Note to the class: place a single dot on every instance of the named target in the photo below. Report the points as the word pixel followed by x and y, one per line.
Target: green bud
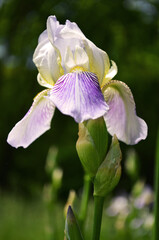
pixel 109 172
pixel 92 144
pixel 72 230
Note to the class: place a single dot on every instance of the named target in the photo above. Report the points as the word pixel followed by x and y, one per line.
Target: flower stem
pixel 85 198
pixel 98 210
pixel 156 201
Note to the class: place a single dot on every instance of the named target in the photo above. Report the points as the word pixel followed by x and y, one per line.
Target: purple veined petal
pixel 121 118
pixel 78 94
pixel 35 122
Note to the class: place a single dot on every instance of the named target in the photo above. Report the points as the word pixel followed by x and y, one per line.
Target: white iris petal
pixel 75 69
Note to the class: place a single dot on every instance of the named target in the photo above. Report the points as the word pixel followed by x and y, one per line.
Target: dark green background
pixel 126 30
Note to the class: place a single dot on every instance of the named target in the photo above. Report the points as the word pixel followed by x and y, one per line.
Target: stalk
pixel 98 210
pixel 85 198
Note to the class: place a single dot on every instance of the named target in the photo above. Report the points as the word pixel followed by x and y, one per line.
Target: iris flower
pixel 78 79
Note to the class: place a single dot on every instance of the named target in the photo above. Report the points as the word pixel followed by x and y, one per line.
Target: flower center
pixel 77 69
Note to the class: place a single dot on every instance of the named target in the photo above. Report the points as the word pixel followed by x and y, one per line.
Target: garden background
pixel 128 31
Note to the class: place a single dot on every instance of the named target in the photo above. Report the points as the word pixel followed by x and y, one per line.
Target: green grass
pixel 28 220
pixel 22 220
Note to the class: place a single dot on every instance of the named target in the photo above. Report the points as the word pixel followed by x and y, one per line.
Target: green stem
pixel 98 210
pixel 85 198
pixel 156 202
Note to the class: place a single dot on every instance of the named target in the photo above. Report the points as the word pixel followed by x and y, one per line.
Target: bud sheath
pixel 109 172
pixel 72 230
pixel 92 144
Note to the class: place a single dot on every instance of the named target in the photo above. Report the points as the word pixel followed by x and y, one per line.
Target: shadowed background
pixel 126 30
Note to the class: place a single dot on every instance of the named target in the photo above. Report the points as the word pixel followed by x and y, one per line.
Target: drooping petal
pixel 78 94
pixel 121 118
pixel 35 122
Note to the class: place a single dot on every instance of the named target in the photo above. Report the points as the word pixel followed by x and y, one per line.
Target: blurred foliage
pixel 35 224
pixel 127 30
pixel 124 217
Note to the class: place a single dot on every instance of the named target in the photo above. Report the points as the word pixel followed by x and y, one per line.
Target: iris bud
pixel 109 172
pixel 71 201
pixel 92 144
pixel 72 230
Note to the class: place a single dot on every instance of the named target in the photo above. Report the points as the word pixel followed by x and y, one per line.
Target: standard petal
pixel 43 36
pixel 121 117
pixel 76 60
pixel 53 28
pixel 111 73
pixel 69 61
pixel 35 122
pixel 47 60
pixel 59 31
pixel 64 37
pixel 43 82
pixel 98 60
pixel 71 29
pixel 81 57
pixel 78 94
pixel 70 36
